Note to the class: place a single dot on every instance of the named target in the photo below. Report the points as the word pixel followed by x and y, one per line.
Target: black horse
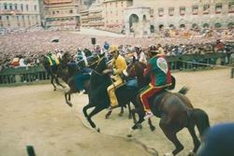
pixel 52 71
pixel 98 96
pixel 174 110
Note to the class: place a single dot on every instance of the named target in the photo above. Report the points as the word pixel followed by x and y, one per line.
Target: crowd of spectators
pixel 29 45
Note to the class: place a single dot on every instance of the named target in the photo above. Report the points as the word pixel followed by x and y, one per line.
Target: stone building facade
pixel 153 15
pixel 19 13
pixel 63 15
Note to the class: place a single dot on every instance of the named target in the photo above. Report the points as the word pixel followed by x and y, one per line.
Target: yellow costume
pixel 119 64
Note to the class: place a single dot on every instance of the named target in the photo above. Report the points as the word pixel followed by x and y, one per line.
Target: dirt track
pixel 36 115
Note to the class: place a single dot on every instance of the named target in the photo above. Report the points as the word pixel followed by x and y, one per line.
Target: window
pixel 22 7
pixel 5 6
pixel 10 7
pixel 27 7
pixel 16 7
pixel 206 9
pixel 171 11
pixel 231 7
pixel 160 12
pixel 35 7
pixel 182 11
pixel 218 8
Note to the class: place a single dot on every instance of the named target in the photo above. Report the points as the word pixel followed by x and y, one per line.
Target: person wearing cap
pixel 119 64
pixel 160 77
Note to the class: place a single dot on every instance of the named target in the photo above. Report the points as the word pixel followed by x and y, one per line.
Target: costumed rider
pixel 83 71
pixel 118 64
pixel 160 77
pixel 53 60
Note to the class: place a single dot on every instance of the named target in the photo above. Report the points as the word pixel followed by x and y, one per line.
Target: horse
pixel 71 75
pixel 98 96
pixel 174 110
pixel 51 71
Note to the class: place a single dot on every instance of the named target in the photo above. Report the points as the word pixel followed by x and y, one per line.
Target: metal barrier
pixel 23 75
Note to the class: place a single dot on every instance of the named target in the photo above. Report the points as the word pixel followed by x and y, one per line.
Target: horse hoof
pixel 69 104
pixel 98 130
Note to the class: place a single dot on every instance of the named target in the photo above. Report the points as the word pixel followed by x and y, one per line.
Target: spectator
pixel 218 141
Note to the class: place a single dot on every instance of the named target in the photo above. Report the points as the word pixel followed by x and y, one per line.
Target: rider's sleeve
pixel 147 70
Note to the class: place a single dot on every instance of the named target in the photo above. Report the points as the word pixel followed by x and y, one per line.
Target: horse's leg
pixel 52 82
pixel 121 111
pixel 152 127
pixel 196 141
pixel 68 98
pixel 170 132
pixel 108 114
pixel 129 110
pixel 137 124
pixel 57 81
pixel 93 112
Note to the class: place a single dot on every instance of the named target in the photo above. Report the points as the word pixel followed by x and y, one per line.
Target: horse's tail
pixel 183 90
pixel 201 120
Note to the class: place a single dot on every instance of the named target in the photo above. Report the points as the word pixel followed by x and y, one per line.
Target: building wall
pixel 113 12
pixel 64 15
pixel 185 13
pixel 19 13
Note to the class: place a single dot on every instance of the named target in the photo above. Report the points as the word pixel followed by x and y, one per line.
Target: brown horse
pixel 174 109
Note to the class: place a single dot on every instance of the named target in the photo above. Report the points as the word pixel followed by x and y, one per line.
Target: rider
pixel 160 77
pixel 119 64
pixel 53 60
pixel 84 70
pixel 139 54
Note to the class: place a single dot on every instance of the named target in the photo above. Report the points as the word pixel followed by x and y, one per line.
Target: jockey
pixel 53 60
pixel 84 73
pixel 119 64
pixel 158 71
pixel 139 54
pixel 81 56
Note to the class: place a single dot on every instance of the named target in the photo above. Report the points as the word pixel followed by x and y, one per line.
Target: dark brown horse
pixel 174 110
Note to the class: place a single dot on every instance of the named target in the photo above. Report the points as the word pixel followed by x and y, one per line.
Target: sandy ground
pixel 35 115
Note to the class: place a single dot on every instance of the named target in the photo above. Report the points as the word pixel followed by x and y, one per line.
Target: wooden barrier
pixel 23 75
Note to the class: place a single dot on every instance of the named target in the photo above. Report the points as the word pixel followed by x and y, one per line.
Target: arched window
pixel 206 25
pixel 5 6
pixel 218 25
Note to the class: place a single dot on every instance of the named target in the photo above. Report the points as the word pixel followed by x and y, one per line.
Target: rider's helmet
pixel 113 49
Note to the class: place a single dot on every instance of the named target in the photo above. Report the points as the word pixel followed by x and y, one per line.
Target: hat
pixel 113 48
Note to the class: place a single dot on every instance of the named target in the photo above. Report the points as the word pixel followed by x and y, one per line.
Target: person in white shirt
pixel 139 54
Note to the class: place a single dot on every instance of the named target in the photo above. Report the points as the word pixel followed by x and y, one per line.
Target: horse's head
pixel 93 61
pixel 135 68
